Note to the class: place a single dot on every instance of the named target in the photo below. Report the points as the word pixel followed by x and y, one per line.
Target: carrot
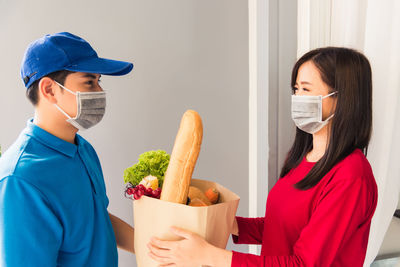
pixel 212 194
pixel 195 192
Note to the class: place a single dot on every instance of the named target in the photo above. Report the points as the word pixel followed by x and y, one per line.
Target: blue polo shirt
pixel 53 204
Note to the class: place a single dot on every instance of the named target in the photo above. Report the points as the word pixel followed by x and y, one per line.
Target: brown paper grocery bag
pixel 154 217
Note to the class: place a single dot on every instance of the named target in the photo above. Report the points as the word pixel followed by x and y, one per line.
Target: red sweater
pixel 327 225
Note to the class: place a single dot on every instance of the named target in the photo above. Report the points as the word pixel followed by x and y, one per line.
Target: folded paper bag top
pixel 154 217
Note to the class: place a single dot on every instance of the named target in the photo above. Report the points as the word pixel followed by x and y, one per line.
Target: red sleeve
pixel 344 205
pixel 250 231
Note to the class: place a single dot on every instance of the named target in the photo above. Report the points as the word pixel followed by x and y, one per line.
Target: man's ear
pixel 47 89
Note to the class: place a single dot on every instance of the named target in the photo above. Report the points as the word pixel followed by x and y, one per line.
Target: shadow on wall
pixel 392 262
pixel 389 252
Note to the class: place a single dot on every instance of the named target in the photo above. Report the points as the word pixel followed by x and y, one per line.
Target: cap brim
pixel 102 66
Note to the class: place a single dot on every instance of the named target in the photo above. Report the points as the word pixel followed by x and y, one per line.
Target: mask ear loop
pixel 58 107
pixel 62 111
pixel 330 94
pixel 63 87
pixel 330 117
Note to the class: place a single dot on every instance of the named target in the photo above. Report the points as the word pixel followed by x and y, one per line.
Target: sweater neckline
pixel 307 163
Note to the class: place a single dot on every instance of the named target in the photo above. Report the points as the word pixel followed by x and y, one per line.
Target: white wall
pixel 272 54
pixel 187 54
pixel 282 57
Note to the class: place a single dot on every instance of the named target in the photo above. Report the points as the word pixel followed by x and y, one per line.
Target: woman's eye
pixel 305 89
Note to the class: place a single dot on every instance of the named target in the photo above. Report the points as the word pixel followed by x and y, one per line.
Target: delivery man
pixel 53 203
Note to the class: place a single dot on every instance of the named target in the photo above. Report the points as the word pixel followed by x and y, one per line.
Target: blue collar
pixel 52 141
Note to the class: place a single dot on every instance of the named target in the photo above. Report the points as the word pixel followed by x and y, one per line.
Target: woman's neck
pixel 320 141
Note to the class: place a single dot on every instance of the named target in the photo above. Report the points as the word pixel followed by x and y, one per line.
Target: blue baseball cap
pixel 65 51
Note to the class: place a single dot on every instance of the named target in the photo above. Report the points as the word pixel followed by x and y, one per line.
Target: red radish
pixel 149 191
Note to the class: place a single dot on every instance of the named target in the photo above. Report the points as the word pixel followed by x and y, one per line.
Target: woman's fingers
pixel 162 260
pixel 160 252
pixel 161 243
pixel 181 232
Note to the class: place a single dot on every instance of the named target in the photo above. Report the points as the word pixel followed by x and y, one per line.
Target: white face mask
pixel 91 108
pixel 307 112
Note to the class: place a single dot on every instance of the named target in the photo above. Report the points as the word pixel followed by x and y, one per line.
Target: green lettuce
pixel 153 163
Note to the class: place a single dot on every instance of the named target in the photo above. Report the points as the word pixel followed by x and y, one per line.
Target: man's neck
pixel 60 129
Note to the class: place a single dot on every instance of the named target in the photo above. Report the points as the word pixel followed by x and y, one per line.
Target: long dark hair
pixel 349 73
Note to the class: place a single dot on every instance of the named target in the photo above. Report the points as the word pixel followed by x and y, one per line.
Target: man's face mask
pixel 91 108
pixel 307 112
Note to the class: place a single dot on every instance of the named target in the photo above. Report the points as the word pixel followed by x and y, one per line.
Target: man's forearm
pixel 124 233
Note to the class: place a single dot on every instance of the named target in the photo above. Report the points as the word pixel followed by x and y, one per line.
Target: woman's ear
pixel 47 90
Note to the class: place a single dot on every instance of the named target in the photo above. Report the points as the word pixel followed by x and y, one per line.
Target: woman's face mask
pixel 91 108
pixel 307 112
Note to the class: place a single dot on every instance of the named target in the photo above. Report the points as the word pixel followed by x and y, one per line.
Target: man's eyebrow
pixel 89 75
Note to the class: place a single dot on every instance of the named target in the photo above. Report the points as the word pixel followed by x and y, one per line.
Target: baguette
pixel 183 159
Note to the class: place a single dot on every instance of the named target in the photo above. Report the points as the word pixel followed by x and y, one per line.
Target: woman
pixel 319 212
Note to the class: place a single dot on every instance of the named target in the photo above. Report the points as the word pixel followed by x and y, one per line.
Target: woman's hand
pixel 192 250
